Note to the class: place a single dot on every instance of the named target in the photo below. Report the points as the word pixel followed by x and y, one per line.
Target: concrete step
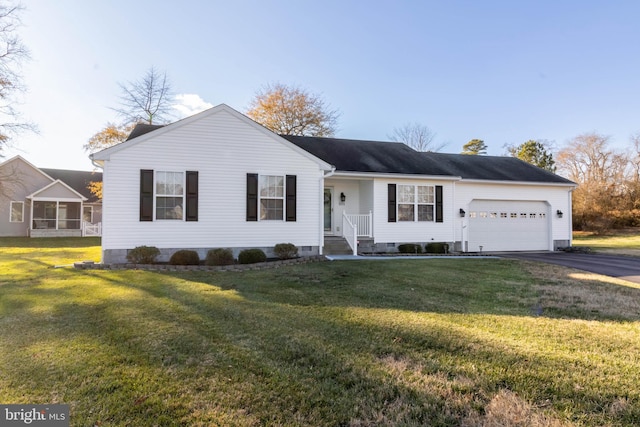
pixel 335 245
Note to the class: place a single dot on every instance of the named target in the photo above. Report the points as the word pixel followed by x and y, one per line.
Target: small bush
pixel 410 248
pixel 219 256
pixel 143 255
pixel 436 248
pixel 185 257
pixel 285 250
pixel 251 256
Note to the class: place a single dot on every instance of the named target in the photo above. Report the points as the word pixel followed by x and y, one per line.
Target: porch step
pixel 336 245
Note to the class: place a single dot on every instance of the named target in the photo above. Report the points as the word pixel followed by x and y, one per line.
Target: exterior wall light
pixel 462 213
pixel 342 197
pixel 559 213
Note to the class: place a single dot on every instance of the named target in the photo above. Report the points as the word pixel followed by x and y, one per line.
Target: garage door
pixel 507 225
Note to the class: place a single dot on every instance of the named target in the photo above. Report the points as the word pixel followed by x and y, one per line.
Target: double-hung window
pixel 271 197
pixel 416 199
pixel 17 212
pixel 169 195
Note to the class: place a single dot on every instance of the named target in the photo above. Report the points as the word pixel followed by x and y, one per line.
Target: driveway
pixel 627 268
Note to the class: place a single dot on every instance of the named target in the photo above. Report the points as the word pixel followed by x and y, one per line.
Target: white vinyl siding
pixel 554 197
pixel 414 230
pixel 223 149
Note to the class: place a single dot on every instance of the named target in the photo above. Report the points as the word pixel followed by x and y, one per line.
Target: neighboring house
pixel 218 179
pixel 47 202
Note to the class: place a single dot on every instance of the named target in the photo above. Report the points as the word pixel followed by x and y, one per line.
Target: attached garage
pixel 508 225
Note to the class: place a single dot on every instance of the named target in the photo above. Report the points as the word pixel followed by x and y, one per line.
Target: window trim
pixel 11 219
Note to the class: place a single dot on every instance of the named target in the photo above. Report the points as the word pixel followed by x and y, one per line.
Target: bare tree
pixel 417 136
pixel 147 100
pixel 290 110
pixel 601 173
pixel 13 54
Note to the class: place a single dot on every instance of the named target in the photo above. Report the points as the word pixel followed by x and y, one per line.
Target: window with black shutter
pixel 439 210
pixel 391 210
pixel 146 195
pixel 192 196
pixel 252 197
pixel 291 198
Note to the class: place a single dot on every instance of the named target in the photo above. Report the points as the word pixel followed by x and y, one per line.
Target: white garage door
pixel 506 225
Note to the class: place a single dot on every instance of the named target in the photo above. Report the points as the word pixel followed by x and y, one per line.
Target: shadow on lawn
pixel 271 347
pixel 272 362
pixel 499 287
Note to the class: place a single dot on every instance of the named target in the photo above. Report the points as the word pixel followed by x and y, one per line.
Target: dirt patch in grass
pixel 567 291
pixel 508 409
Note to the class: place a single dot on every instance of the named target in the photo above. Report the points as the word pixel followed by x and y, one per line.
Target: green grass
pixel 396 342
pixel 624 242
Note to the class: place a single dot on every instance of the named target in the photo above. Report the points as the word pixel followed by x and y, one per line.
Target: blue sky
pixel 501 71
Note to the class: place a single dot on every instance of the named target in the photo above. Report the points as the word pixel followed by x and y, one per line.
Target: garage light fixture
pixel 559 213
pixel 462 213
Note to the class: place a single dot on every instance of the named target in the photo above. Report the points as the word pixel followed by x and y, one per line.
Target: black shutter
pixel 291 198
pixel 192 196
pixel 146 195
pixel 252 197
pixel 439 210
pixel 392 203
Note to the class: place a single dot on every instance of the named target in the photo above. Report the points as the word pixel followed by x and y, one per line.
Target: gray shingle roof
pixel 142 128
pixel 78 180
pixel 349 155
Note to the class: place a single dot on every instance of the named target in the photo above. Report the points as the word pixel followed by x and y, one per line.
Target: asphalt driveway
pixel 622 267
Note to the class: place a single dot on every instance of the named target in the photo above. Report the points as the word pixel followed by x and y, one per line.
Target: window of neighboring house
pixel 271 197
pixel 17 212
pixel 87 214
pixel 415 198
pixel 169 195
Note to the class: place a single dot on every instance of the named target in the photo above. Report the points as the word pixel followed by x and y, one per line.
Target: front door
pixel 328 210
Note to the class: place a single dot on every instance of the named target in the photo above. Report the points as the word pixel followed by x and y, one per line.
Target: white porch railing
pixel 362 223
pixel 350 233
pixel 89 229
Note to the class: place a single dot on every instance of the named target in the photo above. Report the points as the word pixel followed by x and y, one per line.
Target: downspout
pixel 321 222
pixel 571 216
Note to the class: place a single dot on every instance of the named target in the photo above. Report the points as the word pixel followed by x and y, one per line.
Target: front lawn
pixel 398 342
pixel 622 242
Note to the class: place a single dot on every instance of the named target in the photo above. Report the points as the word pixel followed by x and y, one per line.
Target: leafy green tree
pixel 474 147
pixel 535 152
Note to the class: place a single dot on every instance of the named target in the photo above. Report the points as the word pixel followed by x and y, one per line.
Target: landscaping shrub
pixel 437 248
pixel 410 248
pixel 285 250
pixel 185 257
pixel 219 256
pixel 143 255
pixel 251 256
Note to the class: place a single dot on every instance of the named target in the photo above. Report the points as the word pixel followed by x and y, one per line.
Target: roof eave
pixel 532 183
pixel 349 174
